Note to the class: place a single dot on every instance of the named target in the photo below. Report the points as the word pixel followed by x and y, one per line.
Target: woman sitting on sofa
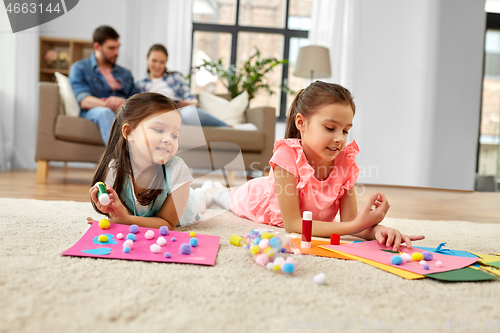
pixel 172 85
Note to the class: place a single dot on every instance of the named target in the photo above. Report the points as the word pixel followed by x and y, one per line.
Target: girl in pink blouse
pixel 313 169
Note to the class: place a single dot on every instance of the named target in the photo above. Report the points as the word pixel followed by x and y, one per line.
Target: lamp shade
pixel 313 62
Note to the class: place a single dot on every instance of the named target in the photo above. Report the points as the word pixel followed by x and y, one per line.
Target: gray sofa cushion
pixel 77 130
pixel 251 141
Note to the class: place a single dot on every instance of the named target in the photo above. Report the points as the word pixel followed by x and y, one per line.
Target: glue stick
pixel 306 230
pixel 102 194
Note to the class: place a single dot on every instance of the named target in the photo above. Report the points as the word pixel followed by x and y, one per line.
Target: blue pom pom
pixel 427 256
pixel 164 231
pixel 173 239
pixel 126 249
pixel 275 242
pixel 426 266
pixel 397 260
pixel 167 255
pixel 133 228
pixel 257 240
pixel 185 248
pixel 283 250
pixel 193 242
pixel 288 268
pixel 131 236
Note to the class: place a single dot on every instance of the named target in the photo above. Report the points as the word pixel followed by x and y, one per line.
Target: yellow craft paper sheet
pixel 486 258
pixel 390 269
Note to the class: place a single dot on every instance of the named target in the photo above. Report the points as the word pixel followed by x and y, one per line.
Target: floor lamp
pixel 313 62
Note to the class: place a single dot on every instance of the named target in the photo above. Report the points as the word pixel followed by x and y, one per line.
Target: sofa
pixel 71 139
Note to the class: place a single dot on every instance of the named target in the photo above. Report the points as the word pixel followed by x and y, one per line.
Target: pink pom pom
pixel 439 263
pixel 264 243
pixel 149 234
pixel 119 236
pixel 128 243
pixel 261 259
pixel 290 260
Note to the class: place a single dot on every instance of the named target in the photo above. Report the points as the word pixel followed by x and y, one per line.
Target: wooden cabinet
pixel 58 54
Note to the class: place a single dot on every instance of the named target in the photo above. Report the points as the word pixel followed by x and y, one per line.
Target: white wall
pixel 417 86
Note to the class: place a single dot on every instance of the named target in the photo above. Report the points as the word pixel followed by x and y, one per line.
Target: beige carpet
pixel 42 291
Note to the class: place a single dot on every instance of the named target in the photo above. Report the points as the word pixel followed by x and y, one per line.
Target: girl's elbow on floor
pixel 292 226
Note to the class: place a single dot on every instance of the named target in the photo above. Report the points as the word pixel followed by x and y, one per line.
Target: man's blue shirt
pixel 86 80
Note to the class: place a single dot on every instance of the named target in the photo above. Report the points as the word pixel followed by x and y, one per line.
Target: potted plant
pixel 250 78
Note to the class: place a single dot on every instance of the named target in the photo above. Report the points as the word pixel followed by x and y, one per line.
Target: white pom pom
pixel 155 248
pixel 119 236
pixel 161 241
pixel 320 278
pixel 423 262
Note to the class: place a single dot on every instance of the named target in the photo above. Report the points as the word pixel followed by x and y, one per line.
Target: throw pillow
pixel 231 112
pixel 71 106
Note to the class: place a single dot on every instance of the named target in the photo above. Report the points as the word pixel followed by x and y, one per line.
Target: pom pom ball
pixel 417 256
pixel 128 243
pixel 267 235
pixel 167 255
pixel 185 248
pixel 439 263
pixel 133 228
pixel 396 260
pixel 283 250
pixel 164 231
pixel 269 265
pixel 192 234
pixel 427 255
pixel 255 249
pixel 193 242
pixel 426 266
pixel 261 259
pixel 102 238
pixel 161 241
pixel 279 261
pixel 275 242
pixel 276 267
pixel 119 236
pixel 149 234
pixel 320 278
pixel 423 262
pixel 290 260
pixel 126 249
pixel 131 237
pixel 288 268
pixel 155 248
pixel 173 239
pixel 406 257
pixel 264 243
pixel 104 223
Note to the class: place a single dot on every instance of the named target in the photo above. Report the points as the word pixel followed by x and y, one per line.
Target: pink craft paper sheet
pixel 203 254
pixel 373 250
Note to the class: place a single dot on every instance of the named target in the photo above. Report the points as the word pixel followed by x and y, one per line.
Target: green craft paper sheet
pixel 494 264
pixel 466 274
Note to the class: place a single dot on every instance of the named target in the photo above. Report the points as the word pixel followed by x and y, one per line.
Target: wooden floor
pixel 410 203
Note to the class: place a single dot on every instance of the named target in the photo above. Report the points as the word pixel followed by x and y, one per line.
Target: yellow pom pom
pixel 417 256
pixel 103 238
pixel 255 249
pixel 266 235
pixel 276 268
pixel 192 234
pixel 268 249
pixel 104 223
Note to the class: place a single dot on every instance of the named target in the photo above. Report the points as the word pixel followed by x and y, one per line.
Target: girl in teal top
pixel 140 164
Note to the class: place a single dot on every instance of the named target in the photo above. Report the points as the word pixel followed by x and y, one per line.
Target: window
pixel 489 140
pixel 230 29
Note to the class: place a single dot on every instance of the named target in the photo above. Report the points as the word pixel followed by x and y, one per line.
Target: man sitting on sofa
pixel 100 86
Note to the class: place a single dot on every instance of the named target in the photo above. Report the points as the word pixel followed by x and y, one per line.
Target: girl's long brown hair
pixel 135 109
pixel 317 95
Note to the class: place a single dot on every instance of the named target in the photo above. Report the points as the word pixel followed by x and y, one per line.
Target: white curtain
pixel 18 96
pixel 332 26
pixel 167 22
